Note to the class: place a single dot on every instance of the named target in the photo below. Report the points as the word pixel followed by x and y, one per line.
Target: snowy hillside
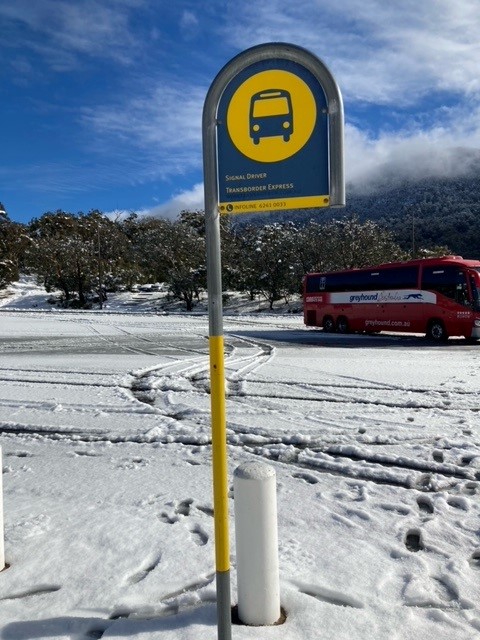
pixel 27 295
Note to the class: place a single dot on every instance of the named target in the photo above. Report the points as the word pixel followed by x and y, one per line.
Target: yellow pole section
pixel 219 453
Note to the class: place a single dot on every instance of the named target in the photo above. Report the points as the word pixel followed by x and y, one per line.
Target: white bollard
pixel 2 547
pixel 256 544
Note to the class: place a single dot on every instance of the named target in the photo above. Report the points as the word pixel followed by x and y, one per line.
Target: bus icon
pixel 271 115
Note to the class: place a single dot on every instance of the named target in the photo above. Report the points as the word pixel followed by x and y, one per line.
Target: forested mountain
pixel 420 214
pixel 426 213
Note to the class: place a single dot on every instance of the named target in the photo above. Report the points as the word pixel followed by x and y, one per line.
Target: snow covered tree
pixel 345 244
pixel 172 252
pixel 148 238
pixel 186 261
pixel 78 254
pixel 13 241
pixel 353 244
pixel 266 261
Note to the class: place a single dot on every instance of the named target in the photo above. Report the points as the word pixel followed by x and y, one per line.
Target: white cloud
pixel 439 151
pixel 390 52
pixel 188 200
pixel 419 61
pixel 61 32
pixel 189 24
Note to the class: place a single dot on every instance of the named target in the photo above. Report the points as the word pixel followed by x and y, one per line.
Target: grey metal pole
pixel 217 371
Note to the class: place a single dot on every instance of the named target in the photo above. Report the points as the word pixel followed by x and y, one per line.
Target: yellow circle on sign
pixel 271 116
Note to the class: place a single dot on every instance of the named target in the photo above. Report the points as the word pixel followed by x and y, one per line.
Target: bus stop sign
pixel 279 133
pixel 272 130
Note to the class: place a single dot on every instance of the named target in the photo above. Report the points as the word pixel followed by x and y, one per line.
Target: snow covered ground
pixel 105 426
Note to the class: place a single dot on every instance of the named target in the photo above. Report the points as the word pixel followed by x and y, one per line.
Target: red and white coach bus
pixel 436 296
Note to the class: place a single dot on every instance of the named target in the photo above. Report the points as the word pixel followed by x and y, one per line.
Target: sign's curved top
pixel 273 133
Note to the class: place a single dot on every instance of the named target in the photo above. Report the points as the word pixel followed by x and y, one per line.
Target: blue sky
pixel 101 100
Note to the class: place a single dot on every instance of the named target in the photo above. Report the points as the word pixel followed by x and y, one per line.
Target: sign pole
pixel 272 139
pixel 217 381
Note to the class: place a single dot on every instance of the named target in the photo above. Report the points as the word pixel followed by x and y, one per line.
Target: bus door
pixel 475 292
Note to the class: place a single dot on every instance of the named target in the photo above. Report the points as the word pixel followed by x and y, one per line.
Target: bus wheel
pixel 328 325
pixel 436 331
pixel 342 325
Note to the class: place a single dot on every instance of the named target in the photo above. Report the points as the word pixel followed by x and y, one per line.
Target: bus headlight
pixel 477 322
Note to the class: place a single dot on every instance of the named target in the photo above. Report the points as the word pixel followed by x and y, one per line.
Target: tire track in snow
pixel 317 453
pixel 321 393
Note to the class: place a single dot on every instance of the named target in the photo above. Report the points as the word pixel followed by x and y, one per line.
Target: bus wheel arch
pixel 342 324
pixel 436 330
pixel 328 324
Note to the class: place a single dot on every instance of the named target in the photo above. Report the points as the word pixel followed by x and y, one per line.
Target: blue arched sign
pixel 276 116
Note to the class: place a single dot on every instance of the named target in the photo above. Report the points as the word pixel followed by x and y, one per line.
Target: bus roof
pixel 410 263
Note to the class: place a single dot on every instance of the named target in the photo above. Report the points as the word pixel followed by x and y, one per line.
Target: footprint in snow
pixel 395 508
pixel 133 463
pixel 146 568
pixel 167 519
pixel 413 540
pixel 470 488
pixel 199 536
pixel 434 592
pixel 475 559
pixel 458 503
pixel 180 509
pixel 18 454
pixel 205 509
pixel 307 477
pixel 184 507
pixel 424 482
pixel 425 505
pixel 183 510
pixel 87 453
